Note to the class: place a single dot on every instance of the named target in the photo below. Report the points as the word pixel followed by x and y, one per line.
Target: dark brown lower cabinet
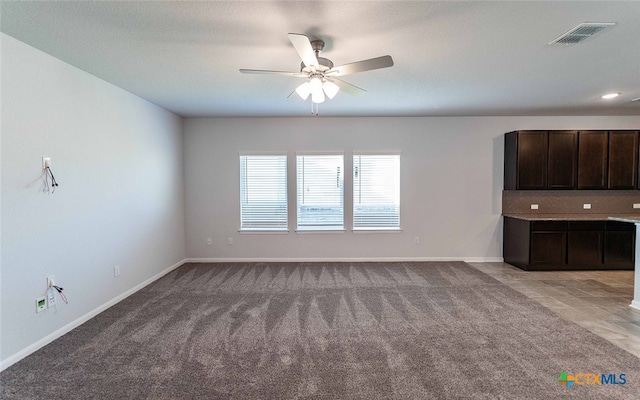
pixel 619 245
pixel 568 245
pixel 584 243
pixel 548 243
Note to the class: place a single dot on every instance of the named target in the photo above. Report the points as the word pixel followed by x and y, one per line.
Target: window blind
pixel 376 191
pixel 320 192
pixel 263 192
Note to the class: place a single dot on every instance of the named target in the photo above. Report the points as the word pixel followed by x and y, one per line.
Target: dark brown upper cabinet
pixel 623 160
pixel 549 160
pixel 526 155
pixel 592 159
pixel 562 162
pixel 540 160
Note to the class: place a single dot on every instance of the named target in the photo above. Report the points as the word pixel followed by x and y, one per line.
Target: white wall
pixel 119 162
pixel 451 183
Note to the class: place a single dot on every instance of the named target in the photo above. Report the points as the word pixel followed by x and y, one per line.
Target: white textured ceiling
pixel 451 58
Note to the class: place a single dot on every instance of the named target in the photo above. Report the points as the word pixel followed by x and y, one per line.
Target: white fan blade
pixel 347 87
pixel 267 72
pixel 361 66
pixel 303 46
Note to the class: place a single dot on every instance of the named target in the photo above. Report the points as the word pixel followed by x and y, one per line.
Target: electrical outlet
pixel 586 206
pixel 534 206
pixel 416 240
pixel 209 241
pixel 41 304
pixel 116 271
pixel 46 162
pixel 230 241
pixel 51 297
pixel 51 281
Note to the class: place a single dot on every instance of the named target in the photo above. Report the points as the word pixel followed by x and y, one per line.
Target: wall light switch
pixel 586 206
pixel 636 205
pixel 46 162
pixel 230 241
pixel 534 206
pixel 209 241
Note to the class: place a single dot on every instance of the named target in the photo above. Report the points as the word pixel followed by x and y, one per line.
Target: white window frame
pixel 356 197
pixel 319 228
pixel 249 227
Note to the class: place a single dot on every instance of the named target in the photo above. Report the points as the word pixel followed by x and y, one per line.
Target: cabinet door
pixel 623 160
pixel 532 159
pixel 548 248
pixel 619 249
pixel 563 149
pixel 592 159
pixel 585 248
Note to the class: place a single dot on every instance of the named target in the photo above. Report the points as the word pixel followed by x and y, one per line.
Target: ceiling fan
pixel 320 74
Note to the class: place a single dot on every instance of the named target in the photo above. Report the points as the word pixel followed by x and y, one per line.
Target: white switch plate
pixel 636 205
pixel 116 271
pixel 534 206
pixel 230 241
pixel 586 206
pixel 416 240
pixel 209 241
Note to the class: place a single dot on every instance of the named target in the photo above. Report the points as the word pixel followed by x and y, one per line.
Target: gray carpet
pixel 331 330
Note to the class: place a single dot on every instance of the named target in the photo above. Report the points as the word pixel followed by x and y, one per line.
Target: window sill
pixel 263 231
pixel 320 231
pixel 377 230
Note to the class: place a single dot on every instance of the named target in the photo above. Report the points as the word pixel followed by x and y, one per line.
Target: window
pixel 320 180
pixel 263 192
pixel 376 191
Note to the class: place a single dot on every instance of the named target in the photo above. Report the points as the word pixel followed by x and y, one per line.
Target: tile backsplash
pixel 571 201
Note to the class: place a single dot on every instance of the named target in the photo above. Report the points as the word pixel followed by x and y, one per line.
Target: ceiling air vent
pixel 582 32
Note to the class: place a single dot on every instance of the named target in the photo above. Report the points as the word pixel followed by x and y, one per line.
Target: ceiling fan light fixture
pixel 330 89
pixel 304 90
pixel 317 97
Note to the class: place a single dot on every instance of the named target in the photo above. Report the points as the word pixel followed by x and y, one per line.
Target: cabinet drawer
pixel 548 226
pixel 586 225
pixel 619 226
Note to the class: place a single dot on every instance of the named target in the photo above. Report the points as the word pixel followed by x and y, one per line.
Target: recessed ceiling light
pixel 610 96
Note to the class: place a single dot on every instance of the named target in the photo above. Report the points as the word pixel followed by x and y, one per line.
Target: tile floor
pixel 596 300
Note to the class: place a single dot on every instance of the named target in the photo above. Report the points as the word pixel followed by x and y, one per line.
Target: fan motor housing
pixel 325 65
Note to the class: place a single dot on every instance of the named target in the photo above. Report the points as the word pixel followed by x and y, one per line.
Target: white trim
pixel 377 153
pixel 635 304
pixel 9 361
pixel 358 231
pixel 353 259
pixel 316 230
pixel 263 231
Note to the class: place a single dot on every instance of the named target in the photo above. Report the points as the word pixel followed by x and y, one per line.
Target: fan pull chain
pixel 317 110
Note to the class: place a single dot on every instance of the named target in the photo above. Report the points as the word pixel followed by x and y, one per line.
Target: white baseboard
pixel 635 304
pixel 9 361
pixel 355 259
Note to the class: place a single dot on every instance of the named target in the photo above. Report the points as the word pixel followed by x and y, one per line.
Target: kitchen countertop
pixel 626 218
pixel 576 217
